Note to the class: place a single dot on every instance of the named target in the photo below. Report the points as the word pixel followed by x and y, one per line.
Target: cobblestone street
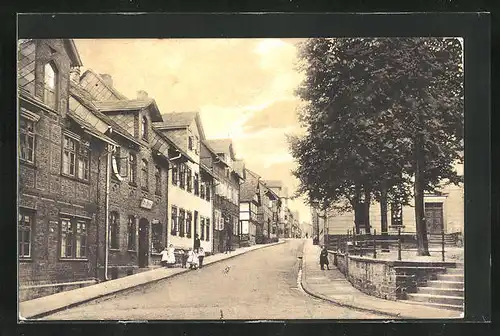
pixel 258 285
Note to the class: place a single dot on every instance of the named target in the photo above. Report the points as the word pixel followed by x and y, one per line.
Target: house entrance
pixel 143 243
pixel 434 217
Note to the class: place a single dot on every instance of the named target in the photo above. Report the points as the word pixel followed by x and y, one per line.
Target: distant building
pixel 283 222
pixel 219 156
pixel 250 201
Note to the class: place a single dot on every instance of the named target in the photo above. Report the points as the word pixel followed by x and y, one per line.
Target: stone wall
pixel 389 280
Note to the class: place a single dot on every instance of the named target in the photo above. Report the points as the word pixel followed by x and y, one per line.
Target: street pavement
pixel 258 285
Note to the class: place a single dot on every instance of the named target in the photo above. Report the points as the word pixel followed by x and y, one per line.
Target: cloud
pixel 280 114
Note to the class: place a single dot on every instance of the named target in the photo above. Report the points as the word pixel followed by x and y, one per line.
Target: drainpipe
pixel 106 232
pixel 175 158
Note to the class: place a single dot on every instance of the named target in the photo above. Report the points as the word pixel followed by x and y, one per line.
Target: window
pixel 182 176
pixel 196 145
pixel 49 86
pixel 173 222
pixel 196 184
pixel 73 238
pixel 182 218
pixel 207 224
pixel 189 219
pixel 76 158
pixel 83 163
pixel 114 226
pixel 144 177
pixel 207 192
pixel 202 190
pixel 24 233
pixel 131 233
pixel 132 168
pixel 156 244
pixel 175 175
pixel 189 179
pixel 69 156
pixel 190 143
pixel 27 139
pixel 202 228
pixel 195 220
pixel 158 181
pixel 235 226
pixel 144 128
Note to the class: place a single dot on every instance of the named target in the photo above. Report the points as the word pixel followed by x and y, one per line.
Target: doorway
pixel 434 217
pixel 143 243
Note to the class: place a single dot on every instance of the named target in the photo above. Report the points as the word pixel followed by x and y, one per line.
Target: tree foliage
pixel 367 102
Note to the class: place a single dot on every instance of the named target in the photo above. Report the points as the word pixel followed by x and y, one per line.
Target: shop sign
pixel 146 203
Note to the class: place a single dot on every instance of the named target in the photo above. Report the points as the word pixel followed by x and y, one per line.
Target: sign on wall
pixel 146 203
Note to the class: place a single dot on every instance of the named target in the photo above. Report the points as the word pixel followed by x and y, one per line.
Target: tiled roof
pixel 89 128
pixel 172 143
pixel 115 92
pixel 177 119
pixel 85 99
pixel 248 191
pixel 273 183
pixel 122 105
pixel 220 145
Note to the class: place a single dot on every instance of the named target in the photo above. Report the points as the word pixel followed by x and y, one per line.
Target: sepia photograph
pixel 241 178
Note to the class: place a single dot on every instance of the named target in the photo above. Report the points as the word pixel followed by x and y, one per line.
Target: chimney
pixel 74 74
pixel 107 79
pixel 142 95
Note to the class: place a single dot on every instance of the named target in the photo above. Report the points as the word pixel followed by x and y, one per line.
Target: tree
pixel 377 112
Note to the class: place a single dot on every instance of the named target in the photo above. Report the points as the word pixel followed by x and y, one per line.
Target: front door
pixel 143 243
pixel 434 217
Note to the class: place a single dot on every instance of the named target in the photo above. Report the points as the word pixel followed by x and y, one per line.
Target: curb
pixel 121 290
pixel 308 290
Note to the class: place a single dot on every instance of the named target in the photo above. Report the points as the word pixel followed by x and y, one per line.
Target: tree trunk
pixel 383 218
pixel 422 243
pixel 357 210
pixel 367 211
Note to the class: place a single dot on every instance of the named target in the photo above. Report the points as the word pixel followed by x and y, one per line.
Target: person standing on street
pixel 201 256
pixel 196 243
pixel 323 258
pixel 164 257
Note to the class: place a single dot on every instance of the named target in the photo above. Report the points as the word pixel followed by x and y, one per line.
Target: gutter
pixel 110 150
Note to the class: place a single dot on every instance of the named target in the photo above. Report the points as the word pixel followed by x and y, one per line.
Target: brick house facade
pixel 59 168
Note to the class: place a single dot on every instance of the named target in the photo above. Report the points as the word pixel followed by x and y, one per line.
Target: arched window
pixel 50 86
pixel 144 127
pixel 144 176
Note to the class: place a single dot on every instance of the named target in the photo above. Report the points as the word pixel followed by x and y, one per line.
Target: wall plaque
pixel 146 203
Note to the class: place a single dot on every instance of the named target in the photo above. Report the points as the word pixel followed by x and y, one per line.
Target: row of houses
pixel 106 182
pixel 444 213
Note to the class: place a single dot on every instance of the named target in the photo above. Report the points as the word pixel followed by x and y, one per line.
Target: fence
pixel 372 244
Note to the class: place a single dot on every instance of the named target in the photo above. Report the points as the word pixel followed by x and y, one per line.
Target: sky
pixel 243 89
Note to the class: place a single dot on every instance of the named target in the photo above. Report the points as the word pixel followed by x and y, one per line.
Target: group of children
pixel 193 257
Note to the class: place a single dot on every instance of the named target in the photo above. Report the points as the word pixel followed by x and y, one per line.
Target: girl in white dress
pixel 171 255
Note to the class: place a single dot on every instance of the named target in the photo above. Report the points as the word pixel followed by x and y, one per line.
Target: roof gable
pixel 73 54
pixel 130 105
pixel 88 81
pixel 176 120
pixel 223 146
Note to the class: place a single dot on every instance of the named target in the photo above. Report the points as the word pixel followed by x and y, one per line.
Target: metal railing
pixel 373 244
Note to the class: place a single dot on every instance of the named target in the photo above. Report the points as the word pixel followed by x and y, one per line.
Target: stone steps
pixel 458 292
pixel 445 284
pixel 455 271
pixel 439 299
pixel 451 277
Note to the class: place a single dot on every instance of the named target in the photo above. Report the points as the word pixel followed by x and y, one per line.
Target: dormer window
pixel 190 143
pixel 144 128
pixel 49 85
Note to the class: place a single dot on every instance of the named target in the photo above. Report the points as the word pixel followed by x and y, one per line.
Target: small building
pixel 266 213
pixel 250 201
pixel 282 217
pixel 219 156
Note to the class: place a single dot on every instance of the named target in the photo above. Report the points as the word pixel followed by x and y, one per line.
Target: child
pixel 164 257
pixel 192 259
pixel 171 256
pixel 201 256
pixel 184 257
pixel 323 258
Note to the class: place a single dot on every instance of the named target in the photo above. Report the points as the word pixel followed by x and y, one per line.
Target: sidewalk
pixel 46 305
pixel 332 286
